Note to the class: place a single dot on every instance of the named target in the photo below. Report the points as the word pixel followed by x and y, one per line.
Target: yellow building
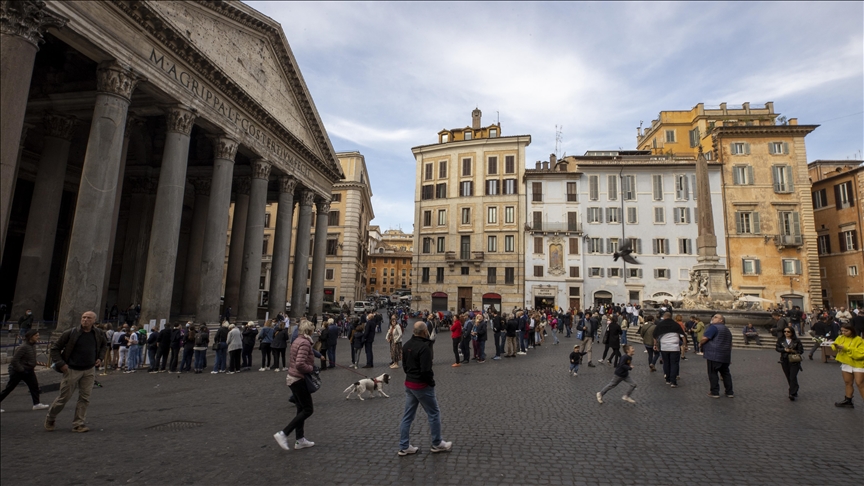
pixel 768 210
pixel 838 212
pixel 468 219
pixel 389 265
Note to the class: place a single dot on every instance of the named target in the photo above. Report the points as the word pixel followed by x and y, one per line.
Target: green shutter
pixel 796 223
pixel 771 148
pixel 758 267
pixel 786 148
pixel 738 227
pixel 746 149
pixel 750 174
pixel 736 176
pixel 791 184
pixel 755 221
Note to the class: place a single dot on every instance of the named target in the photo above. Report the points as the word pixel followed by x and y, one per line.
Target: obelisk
pixel 709 274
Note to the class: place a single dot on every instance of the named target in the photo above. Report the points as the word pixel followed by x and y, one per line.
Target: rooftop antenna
pixel 497 118
pixel 558 129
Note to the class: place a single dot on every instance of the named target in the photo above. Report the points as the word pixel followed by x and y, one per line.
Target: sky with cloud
pixel 386 77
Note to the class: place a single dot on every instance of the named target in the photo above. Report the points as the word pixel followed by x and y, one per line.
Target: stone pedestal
pixel 282 246
pixel 319 259
pixel 250 277
pixel 22 26
pixel 216 230
pixel 301 255
pixel 35 267
pixel 235 250
pixel 87 257
pixel 167 214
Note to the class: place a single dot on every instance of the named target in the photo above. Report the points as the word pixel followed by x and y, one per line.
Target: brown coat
pixel 302 358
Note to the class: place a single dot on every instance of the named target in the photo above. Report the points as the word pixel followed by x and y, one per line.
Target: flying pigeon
pixel 624 252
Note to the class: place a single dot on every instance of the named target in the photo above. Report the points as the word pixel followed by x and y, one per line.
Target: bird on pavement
pixel 624 252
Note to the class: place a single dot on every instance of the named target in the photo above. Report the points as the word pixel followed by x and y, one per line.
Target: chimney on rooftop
pixel 553 160
pixel 537 165
pixel 475 118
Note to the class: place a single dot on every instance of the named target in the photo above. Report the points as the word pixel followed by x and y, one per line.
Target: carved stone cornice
pixel 201 185
pixel 242 186
pixel 161 29
pixel 224 147
pixel 28 20
pixel 323 206
pixel 115 79
pixel 307 198
pixel 59 126
pixel 287 184
pixel 261 169
pixel 179 119
pixel 141 185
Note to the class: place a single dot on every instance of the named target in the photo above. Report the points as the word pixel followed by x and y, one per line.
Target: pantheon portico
pixel 128 128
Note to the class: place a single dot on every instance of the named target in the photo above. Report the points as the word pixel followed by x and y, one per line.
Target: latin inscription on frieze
pixel 227 111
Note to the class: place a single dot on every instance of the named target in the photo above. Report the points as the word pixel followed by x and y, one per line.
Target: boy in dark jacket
pixel 622 373
pixel 22 369
pixel 575 360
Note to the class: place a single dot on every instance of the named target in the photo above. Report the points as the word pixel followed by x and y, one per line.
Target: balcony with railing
pixel 463 257
pixel 788 240
pixel 554 227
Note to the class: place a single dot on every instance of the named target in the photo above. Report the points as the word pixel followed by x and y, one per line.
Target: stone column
pixel 216 230
pixel 141 190
pixel 282 246
pixel 251 276
pixel 167 214
pixel 235 251
pixel 301 255
pixel 35 266
pixel 319 258
pixel 192 282
pixel 22 25
pixel 87 257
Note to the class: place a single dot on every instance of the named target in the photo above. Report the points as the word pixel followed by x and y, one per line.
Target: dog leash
pixel 352 371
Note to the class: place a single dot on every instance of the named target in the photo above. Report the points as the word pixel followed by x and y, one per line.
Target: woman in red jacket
pixel 302 361
pixel 456 335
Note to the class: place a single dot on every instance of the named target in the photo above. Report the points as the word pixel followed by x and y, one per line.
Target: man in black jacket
pixel 668 337
pixel 76 354
pixel 512 328
pixel 497 328
pixel 176 339
pixel 420 390
pixel 373 320
pixel 164 348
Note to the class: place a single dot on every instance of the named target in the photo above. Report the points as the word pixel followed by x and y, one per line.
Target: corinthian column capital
pixel 115 79
pixel 224 147
pixel 242 185
pixel 59 126
pixel 323 206
pixel 28 20
pixel 287 184
pixel 261 169
pixel 307 197
pixel 179 119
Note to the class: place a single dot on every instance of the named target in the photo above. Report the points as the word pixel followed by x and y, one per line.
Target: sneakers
pixel 230 372
pixel 303 443
pixel 521 353
pixel 600 361
pixel 262 369
pixel 729 395
pixel 599 397
pixel 410 450
pixel 214 372
pixel 653 368
pixel 713 396
pixel 846 403
pixel 628 399
pixel 672 385
pixel 282 439
pixel 41 406
pixel 496 358
pixel 80 429
pixel 442 446
pixel 49 425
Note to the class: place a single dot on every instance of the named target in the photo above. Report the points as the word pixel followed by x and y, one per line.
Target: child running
pixel 575 360
pixel 622 373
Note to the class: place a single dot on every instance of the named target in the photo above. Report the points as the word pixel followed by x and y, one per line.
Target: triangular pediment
pixel 250 49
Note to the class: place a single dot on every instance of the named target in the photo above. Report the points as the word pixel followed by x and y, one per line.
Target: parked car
pixel 331 308
pixel 359 307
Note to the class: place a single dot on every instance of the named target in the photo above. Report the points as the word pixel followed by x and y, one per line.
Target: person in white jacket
pixel 394 337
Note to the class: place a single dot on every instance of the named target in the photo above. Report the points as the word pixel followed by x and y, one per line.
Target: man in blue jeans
pixel 420 390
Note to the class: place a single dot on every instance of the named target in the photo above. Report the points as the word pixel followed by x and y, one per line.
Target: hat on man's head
pixel 30 333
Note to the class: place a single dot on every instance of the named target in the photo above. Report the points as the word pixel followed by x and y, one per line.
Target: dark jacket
pixel 24 359
pixel 796 345
pixel 62 348
pixel 221 335
pixel 25 322
pixel 512 326
pixel 249 335
pixel 481 328
pixel 613 335
pixel 369 333
pixel 777 327
pixel 280 339
pixel 165 338
pixel 176 338
pixel 417 361
pixel 357 336
pixel 332 335
pixel 497 324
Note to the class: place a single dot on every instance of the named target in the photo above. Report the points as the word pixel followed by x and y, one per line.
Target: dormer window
pixel 493 133
pixel 467 135
pixel 445 138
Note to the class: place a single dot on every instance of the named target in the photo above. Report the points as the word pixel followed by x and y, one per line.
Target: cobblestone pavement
pixel 513 421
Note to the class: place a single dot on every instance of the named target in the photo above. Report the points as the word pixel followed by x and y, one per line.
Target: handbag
pixel 215 345
pixel 313 379
pixel 579 334
pixel 794 357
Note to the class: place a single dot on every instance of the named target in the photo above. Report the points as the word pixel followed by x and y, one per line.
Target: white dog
pixel 370 385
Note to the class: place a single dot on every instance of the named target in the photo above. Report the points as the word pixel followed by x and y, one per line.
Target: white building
pixel 651 200
pixel 553 234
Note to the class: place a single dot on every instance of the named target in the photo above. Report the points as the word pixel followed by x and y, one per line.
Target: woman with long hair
pixel 789 345
pixel 394 337
pixel 302 361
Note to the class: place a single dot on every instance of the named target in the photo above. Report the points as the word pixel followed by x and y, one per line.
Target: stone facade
pixel 466 186
pixel 389 264
pixel 838 214
pixel 155 112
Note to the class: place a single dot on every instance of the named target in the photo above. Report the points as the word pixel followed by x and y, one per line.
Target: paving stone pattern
pixel 519 421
